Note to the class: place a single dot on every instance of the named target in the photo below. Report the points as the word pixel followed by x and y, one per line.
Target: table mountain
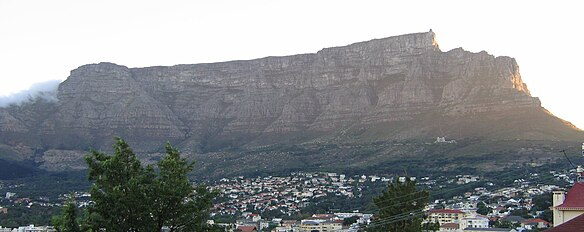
pixel 392 89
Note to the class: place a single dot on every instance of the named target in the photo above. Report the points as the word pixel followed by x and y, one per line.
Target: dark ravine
pixel 385 90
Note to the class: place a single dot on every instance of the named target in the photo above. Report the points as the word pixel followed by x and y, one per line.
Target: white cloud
pixel 45 90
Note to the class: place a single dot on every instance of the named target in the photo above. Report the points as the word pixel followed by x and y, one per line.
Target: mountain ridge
pixel 391 89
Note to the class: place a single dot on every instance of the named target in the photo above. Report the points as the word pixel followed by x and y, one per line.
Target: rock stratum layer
pixel 397 88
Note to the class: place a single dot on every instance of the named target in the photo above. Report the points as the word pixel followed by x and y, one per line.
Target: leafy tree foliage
pixel 505 224
pixel 547 215
pixel 483 209
pixel 521 212
pixel 350 220
pixel 431 226
pixel 180 206
pixel 400 208
pixel 130 197
pixel 121 190
pixel 23 214
pixel 542 202
pixel 67 221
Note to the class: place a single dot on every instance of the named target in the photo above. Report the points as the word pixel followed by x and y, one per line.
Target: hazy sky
pixel 43 40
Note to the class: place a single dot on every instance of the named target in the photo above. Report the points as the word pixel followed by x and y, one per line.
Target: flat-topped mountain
pixel 392 89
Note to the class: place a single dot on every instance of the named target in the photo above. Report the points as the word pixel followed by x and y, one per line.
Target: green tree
pixel 431 226
pixel 67 221
pixel 350 220
pixel 400 208
pixel 547 215
pixel 505 224
pixel 121 190
pixel 521 212
pixel 179 205
pixel 483 208
pixel 542 202
pixel 130 197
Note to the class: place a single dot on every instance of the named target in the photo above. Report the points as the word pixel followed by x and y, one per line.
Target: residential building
pixel 444 216
pixel 535 223
pixel 308 225
pixel 32 228
pixel 283 229
pixel 489 230
pixel 568 206
pixel 478 221
pixel 331 226
pixel 289 223
pixel 321 226
pixel 247 228
pixel 453 227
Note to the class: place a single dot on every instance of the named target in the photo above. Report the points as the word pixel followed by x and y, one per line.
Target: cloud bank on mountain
pixel 43 90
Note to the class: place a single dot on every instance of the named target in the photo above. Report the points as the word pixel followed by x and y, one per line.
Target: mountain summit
pixel 392 89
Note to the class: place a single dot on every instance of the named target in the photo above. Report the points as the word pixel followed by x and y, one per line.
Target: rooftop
pixel 450 226
pixel 575 197
pixel 576 224
pixel 247 228
pixel 446 211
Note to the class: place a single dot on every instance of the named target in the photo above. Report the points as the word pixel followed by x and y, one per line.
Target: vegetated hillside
pixel 309 111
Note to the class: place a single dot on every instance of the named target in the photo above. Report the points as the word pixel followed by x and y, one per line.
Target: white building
pixel 10 195
pixel 4 229
pixel 444 216
pixel 32 228
pixel 318 225
pixel 478 221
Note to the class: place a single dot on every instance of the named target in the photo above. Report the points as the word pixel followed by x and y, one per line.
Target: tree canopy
pixel 127 196
pixel 400 207
pixel 67 221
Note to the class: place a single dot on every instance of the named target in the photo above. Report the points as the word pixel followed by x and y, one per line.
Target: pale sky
pixel 43 40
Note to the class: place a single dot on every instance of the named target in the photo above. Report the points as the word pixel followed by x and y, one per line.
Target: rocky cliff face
pixel 384 89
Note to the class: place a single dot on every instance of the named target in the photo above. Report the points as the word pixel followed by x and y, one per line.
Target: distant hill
pixel 356 106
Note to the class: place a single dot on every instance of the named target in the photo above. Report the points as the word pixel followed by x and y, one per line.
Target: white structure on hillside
pixel 443 140
pixel 10 195
pixel 32 228
pixel 4 229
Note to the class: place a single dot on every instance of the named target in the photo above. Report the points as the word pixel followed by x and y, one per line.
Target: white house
pixel 478 221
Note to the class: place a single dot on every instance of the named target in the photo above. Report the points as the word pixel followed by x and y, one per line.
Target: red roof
pixel 575 197
pixel 446 211
pixel 450 226
pixel 535 220
pixel 247 228
pixel 576 224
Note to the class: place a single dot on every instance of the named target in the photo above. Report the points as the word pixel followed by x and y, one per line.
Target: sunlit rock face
pixel 350 91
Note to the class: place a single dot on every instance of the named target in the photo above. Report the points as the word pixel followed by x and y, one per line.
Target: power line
pixel 565 155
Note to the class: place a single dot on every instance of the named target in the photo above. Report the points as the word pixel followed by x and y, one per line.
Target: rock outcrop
pixel 395 88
